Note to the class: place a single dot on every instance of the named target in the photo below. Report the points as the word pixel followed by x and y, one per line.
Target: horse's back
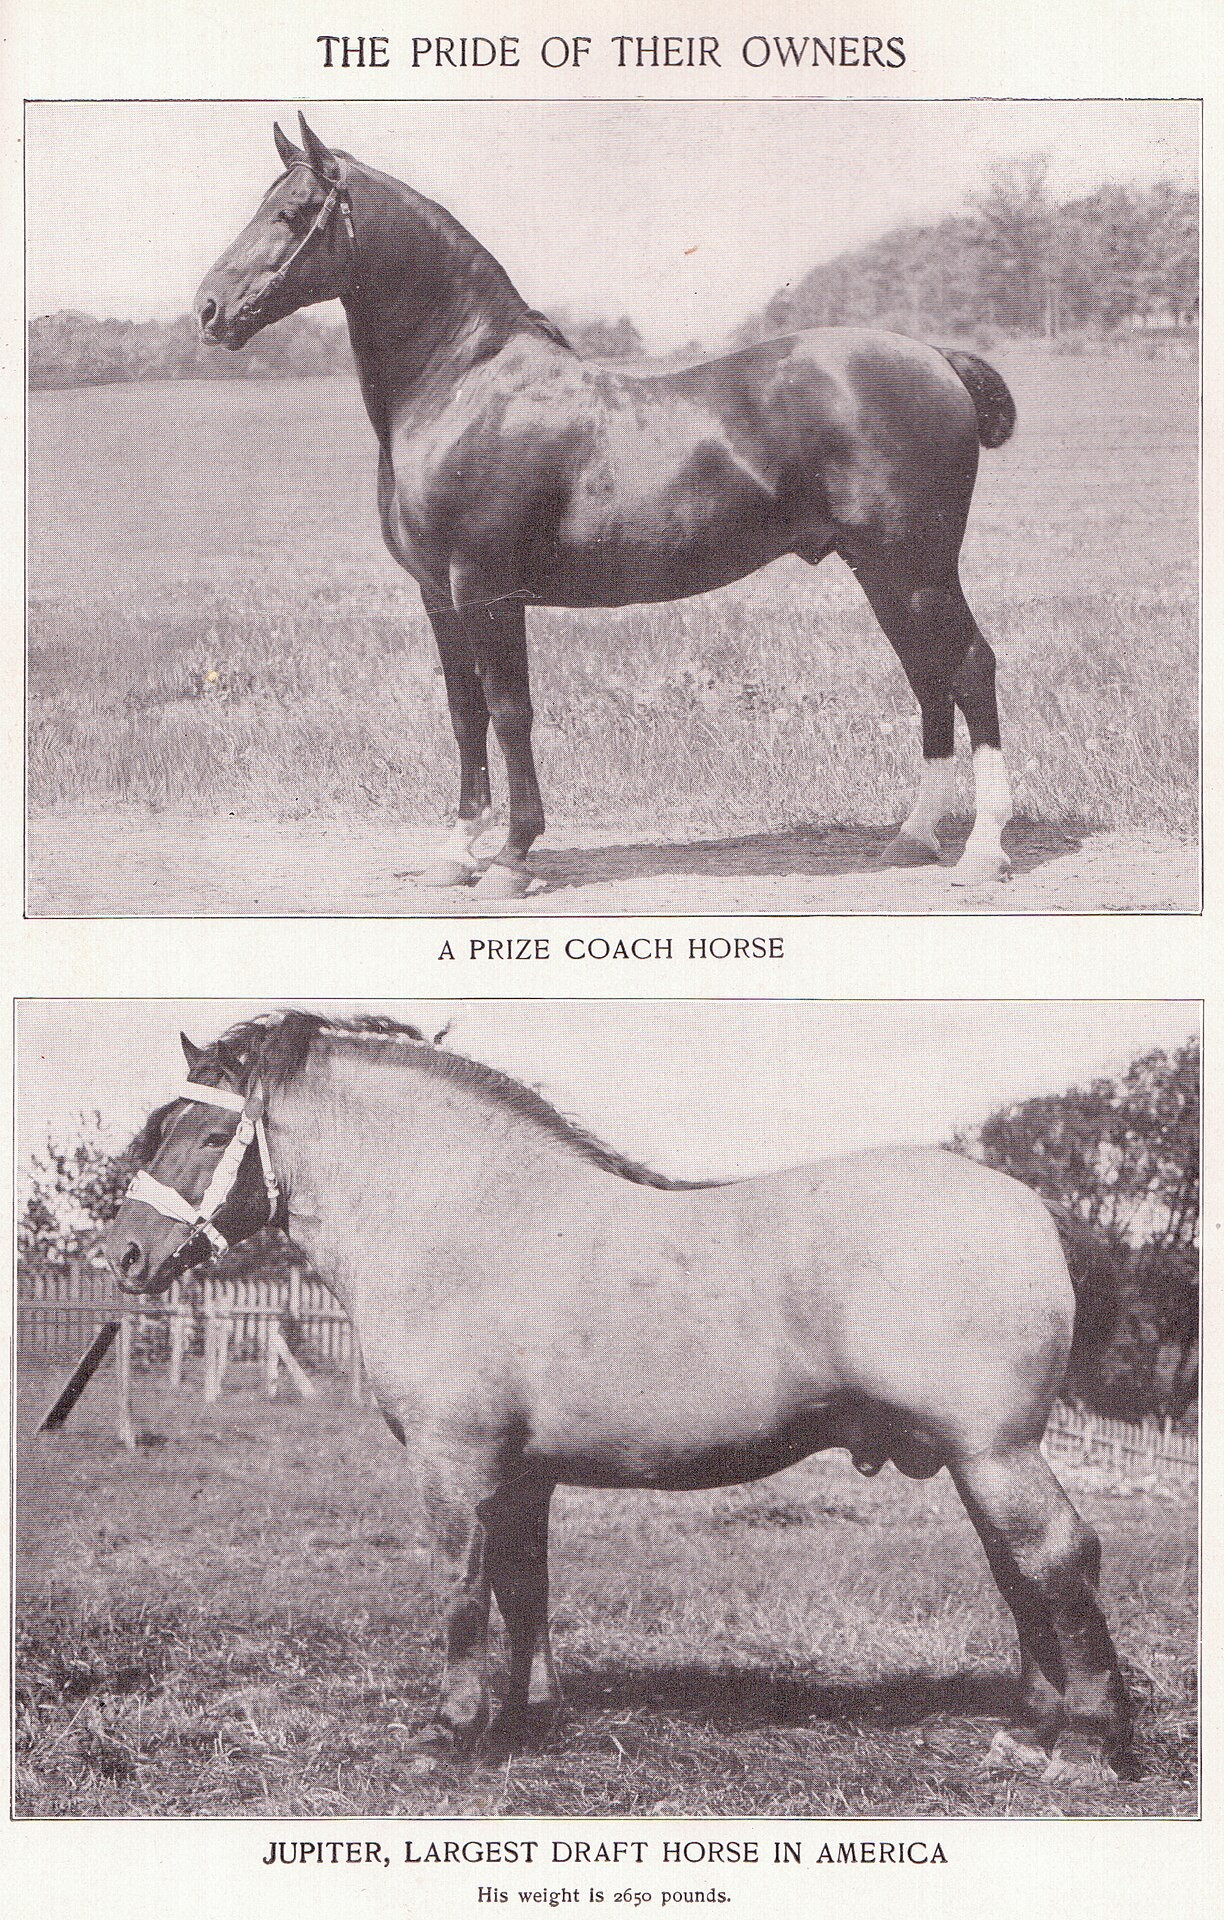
pixel 663 1333
pixel 573 483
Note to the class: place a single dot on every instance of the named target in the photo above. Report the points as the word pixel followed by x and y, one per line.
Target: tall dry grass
pixel 215 625
pixel 236 1619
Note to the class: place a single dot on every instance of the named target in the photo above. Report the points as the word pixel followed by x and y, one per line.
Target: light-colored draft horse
pixel 536 1310
pixel 513 473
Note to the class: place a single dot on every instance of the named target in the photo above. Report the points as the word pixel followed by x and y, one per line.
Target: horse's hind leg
pixel 948 664
pixel 1046 1561
pixel 1040 1711
pixel 915 619
pixel 983 858
pixel 517 1524
pixel 454 865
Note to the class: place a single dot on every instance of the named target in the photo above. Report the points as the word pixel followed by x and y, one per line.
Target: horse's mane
pixel 540 323
pixel 480 267
pixel 273 1049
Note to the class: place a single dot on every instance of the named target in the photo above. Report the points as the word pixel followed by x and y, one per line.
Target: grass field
pixel 234 1619
pixel 215 626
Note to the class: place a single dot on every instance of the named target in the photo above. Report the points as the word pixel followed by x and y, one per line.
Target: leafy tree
pixel 1121 1159
pixel 71 1195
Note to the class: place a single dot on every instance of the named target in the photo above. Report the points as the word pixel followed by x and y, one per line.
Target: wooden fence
pixel 1155 1450
pixel 58 1313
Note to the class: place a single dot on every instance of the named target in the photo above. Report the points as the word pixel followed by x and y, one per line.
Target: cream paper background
pixel 111 49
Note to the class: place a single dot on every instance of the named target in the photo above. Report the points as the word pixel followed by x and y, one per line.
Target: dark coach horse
pixel 512 473
pixel 536 1310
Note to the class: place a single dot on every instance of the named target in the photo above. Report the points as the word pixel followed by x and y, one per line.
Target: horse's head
pixel 297 250
pixel 205 1183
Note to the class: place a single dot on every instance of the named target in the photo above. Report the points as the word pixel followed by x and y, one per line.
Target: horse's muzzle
pixel 136 1271
pixel 221 328
pixel 207 315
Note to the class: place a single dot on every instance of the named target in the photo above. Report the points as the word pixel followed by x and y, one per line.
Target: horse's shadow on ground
pixel 811 851
pixel 741 1697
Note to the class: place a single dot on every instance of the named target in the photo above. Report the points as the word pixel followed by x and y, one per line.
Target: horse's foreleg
pixel 454 865
pixel 1056 1557
pixel 517 1523
pixel 983 858
pixel 498 636
pixel 452 1495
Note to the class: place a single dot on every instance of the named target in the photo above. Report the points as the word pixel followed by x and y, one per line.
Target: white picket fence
pixel 1154 1452
pixel 57 1313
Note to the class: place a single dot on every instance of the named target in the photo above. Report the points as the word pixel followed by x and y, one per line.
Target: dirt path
pixel 100 864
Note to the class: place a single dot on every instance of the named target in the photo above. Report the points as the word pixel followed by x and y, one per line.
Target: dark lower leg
pixel 1056 1553
pixel 470 722
pixel 974 690
pixel 499 641
pixel 462 1589
pixel 919 621
pixel 518 1568
pixel 1042 1675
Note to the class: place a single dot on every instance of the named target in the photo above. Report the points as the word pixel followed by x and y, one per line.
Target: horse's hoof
pixel 443 872
pixel 981 870
pixel 905 851
pixel 1013 1750
pixel 503 883
pixel 1079 1761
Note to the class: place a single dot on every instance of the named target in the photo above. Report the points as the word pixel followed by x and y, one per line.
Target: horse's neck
pixel 427 299
pixel 380 1159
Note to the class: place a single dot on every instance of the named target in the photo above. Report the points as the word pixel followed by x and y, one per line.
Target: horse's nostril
pixel 132 1258
pixel 208 312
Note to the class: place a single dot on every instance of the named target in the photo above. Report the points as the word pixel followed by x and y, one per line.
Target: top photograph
pixel 721 507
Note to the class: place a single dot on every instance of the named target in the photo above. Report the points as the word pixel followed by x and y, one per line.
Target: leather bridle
pixel 337 196
pixel 206 1237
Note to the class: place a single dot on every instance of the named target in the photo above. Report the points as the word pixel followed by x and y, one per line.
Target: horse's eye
pixel 217 1140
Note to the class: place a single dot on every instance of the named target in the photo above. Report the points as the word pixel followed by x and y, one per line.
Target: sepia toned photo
pixel 622 507
pixel 803 1396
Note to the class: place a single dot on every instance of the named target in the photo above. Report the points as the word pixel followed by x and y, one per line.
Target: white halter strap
pixel 171 1204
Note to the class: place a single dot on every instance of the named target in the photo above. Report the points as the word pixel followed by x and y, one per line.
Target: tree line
pixel 76 350
pixel 1014 261
pixel 1117 1161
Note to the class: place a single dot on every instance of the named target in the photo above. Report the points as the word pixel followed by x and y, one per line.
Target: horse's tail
pixel 1094 1279
pixel 992 401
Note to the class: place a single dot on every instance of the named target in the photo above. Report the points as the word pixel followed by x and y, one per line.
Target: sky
pixel 696 1088
pixel 686 221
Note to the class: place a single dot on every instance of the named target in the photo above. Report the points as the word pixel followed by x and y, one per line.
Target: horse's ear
pixel 191 1053
pixel 321 158
pixel 230 1063
pixel 284 146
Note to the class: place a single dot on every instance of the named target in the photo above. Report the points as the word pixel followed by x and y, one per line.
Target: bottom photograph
pixel 673 1408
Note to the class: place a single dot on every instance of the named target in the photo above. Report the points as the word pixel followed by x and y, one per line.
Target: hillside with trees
pixel 1012 262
